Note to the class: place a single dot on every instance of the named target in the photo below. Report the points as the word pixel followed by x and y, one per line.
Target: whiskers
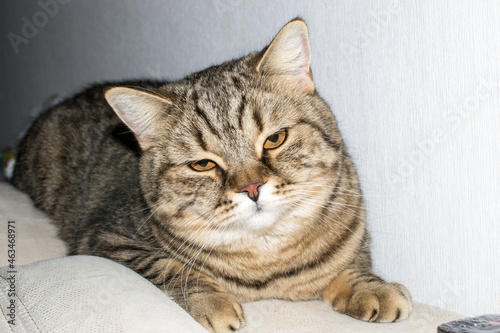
pixel 336 205
pixel 204 239
pixel 334 223
pixel 156 207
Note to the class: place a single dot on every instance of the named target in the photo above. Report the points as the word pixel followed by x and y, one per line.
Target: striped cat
pixel 234 185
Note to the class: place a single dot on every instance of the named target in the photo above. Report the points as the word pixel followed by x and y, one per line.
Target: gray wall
pixel 414 84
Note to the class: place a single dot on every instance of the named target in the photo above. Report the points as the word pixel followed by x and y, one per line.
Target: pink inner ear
pixel 302 72
pixel 141 125
pixel 139 110
pixel 306 81
pixel 289 56
pixel 305 53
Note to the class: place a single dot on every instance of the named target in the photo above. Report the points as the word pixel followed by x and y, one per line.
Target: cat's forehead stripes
pixel 257 118
pixel 241 109
pixel 202 113
pixel 222 126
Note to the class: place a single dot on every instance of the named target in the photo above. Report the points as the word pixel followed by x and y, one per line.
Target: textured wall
pixel 414 84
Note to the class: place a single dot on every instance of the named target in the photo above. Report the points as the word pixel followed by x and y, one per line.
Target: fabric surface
pixel 35 236
pixel 276 316
pixel 91 294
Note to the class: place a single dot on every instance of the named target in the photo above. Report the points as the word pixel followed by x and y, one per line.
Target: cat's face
pixel 245 147
pixel 206 169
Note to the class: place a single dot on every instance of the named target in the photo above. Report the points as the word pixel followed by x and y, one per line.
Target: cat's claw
pixel 217 312
pixel 384 303
pixel 365 296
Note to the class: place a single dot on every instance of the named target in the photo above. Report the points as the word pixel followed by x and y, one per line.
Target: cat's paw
pixel 217 312
pixel 385 303
pixel 365 296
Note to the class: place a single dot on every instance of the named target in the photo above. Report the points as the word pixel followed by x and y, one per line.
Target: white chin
pixel 260 219
pixel 257 216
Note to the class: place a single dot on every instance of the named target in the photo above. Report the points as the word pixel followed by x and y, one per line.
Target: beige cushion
pixel 89 294
pixel 36 237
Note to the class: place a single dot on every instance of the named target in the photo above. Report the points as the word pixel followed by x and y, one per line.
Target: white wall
pixel 414 84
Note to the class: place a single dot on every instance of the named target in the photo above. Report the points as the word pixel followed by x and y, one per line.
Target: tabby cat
pixel 234 185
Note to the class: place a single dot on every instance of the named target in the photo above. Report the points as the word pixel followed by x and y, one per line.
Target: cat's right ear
pixel 287 59
pixel 139 110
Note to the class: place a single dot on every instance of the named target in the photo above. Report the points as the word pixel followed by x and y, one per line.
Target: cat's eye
pixel 203 165
pixel 275 140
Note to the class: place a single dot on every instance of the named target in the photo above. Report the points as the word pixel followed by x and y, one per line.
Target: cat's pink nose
pixel 252 190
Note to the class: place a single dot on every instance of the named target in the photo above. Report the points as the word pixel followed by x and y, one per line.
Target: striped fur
pixel 122 187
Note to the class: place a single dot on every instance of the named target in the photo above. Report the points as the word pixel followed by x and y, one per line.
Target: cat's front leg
pixel 204 299
pixel 363 295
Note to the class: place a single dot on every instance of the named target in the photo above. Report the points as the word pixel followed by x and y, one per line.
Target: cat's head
pixel 246 147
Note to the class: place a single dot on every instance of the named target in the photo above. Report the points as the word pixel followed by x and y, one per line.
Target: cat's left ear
pixel 288 57
pixel 140 110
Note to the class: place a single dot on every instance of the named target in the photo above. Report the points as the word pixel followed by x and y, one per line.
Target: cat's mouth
pixel 257 216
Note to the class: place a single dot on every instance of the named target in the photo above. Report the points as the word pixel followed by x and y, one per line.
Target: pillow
pixel 35 235
pixel 88 294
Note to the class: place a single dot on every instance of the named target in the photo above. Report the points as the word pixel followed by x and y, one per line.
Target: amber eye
pixel 203 165
pixel 275 140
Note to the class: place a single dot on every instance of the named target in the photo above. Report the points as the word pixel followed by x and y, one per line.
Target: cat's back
pixel 73 150
pixel 60 134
